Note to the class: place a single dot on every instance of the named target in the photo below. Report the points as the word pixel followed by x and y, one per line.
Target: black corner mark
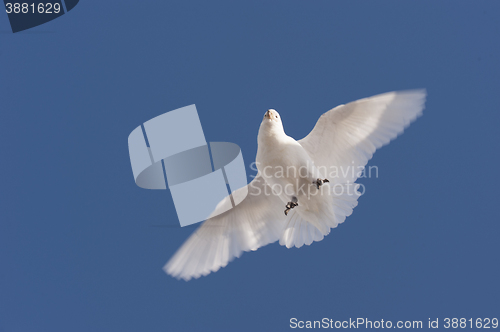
pixel 28 14
pixel 70 4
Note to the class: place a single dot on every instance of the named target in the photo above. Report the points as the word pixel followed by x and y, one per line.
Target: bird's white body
pixel 289 171
pixel 344 137
pixel 279 159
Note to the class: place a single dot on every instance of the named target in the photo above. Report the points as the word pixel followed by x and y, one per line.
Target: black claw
pixel 290 206
pixel 320 182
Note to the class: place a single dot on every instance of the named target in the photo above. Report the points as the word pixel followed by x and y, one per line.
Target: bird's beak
pixel 268 115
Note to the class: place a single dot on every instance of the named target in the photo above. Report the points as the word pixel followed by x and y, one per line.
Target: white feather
pixel 223 237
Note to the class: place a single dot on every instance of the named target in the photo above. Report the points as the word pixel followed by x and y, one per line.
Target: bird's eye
pixel 276 116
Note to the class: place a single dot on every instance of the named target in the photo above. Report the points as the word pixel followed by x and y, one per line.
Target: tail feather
pixel 304 225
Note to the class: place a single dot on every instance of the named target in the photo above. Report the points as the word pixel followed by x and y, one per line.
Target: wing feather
pixel 253 223
pixel 347 136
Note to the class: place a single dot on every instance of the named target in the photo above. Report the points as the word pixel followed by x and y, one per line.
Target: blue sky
pixel 79 245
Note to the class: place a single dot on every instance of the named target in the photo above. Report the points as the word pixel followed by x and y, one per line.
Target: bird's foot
pixel 320 182
pixel 291 205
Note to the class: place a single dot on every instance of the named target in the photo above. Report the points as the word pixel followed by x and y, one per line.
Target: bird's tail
pixel 313 219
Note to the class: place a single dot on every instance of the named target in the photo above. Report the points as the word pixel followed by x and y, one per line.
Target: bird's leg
pixel 320 182
pixel 290 205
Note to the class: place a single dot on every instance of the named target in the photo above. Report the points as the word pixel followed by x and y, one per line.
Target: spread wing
pixel 347 136
pixel 251 224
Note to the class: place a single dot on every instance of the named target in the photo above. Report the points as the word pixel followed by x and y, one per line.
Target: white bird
pixel 303 188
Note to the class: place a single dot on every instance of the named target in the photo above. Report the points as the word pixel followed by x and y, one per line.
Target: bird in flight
pixel 303 188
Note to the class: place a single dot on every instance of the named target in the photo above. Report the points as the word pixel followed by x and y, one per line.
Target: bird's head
pixel 272 116
pixel 271 124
